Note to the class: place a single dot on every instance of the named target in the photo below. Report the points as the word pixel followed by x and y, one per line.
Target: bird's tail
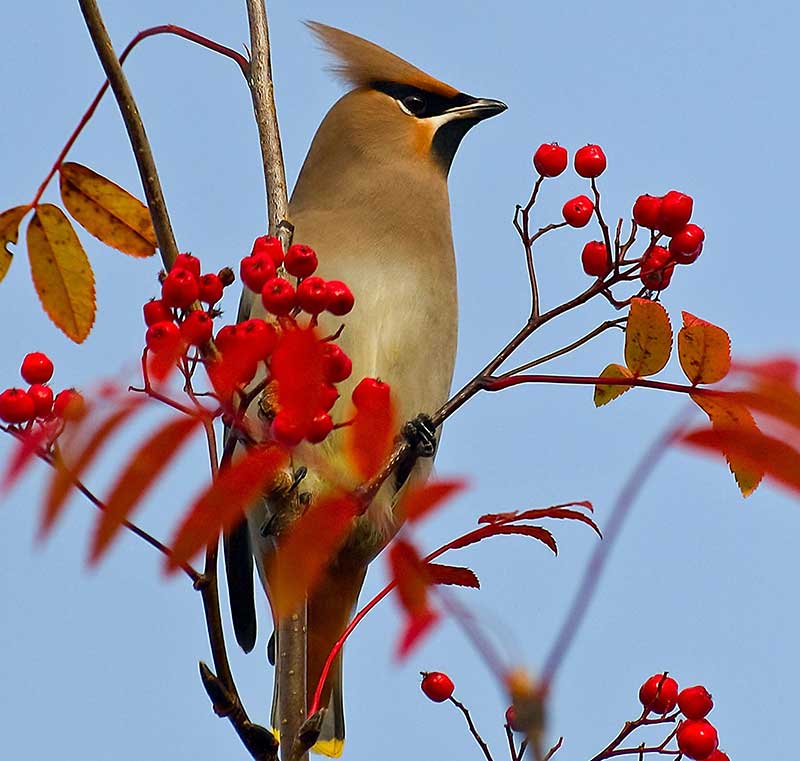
pixel 330 608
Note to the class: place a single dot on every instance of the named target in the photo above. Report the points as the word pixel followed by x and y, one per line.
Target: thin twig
pixel 478 739
pixel 136 132
pixel 550 753
pixel 512 748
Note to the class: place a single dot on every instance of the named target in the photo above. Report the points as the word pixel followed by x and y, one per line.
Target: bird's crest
pixel 363 63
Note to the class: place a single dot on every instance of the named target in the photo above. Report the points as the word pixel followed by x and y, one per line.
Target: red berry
pixel 267 244
pixel 340 298
pixel 278 296
pixel 286 430
pixel 179 289
pixel 16 406
pixel 68 404
pixel 227 338
pixel 187 262
pixel 371 393
pixel 657 268
pixel 319 428
pixel 36 368
pixel 718 755
pixel 163 337
pixel 646 211
pixel 697 738
pixel 210 291
pixel 590 161
pixel 578 211
pixel 687 244
pixel 328 396
pixel 659 700
pixel 255 270
pixel 197 328
pixel 511 719
pixel 675 212
pixel 550 159
pixel 595 259
pixel 155 311
pixel 695 702
pixel 312 295
pixel 336 365
pixel 258 337
pixel 42 397
pixel 437 686
pixel 301 261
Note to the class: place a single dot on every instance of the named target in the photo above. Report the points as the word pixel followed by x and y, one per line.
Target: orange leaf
pixel 223 503
pixel 783 369
pixel 498 529
pixel 648 338
pixel 369 439
pixel 420 498
pixel 453 575
pixel 62 275
pixel 604 393
pixel 761 453
pixel 297 366
pixel 726 413
pixel 413 580
pixel 9 233
pixel 704 350
pixel 138 476
pixel 108 212
pixel 67 473
pixel 309 546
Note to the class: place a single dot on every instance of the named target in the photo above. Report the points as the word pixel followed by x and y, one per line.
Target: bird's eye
pixel 414 104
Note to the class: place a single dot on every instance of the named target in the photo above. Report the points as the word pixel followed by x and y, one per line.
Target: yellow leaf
pixel 62 275
pixel 727 414
pixel 704 350
pixel 107 211
pixel 9 232
pixel 648 338
pixel 603 394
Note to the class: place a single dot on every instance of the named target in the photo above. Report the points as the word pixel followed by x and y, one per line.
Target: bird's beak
pixel 477 109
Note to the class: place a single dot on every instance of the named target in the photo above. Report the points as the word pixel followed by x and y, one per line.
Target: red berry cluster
pixel 19 406
pixel 437 686
pixel 697 737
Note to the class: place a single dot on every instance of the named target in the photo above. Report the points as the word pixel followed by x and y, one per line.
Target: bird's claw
pixel 420 433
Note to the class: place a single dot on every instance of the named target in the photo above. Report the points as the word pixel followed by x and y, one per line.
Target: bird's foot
pixel 420 433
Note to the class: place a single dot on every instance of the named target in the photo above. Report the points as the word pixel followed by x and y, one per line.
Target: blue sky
pixel 696 96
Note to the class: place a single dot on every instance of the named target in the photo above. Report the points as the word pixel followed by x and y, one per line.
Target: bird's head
pixel 396 110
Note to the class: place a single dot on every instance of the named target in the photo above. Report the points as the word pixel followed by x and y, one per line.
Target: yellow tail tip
pixel 332 748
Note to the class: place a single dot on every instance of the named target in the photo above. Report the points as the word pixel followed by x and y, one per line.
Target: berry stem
pixel 473 730
pixel 498 383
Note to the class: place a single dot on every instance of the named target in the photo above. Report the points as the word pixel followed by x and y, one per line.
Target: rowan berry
pixel 36 368
pixel 595 259
pixel 550 159
pixel 270 245
pixel 227 338
pixel 163 337
pixel 657 268
pixel 179 289
pixel 511 719
pixel 155 311
pixel 718 755
pixel 255 270
pixel 312 295
pixel 16 406
pixel 301 261
pixel 437 686
pixel 286 430
pixel 258 337
pixel 590 161
pixel 675 212
pixel 42 397
pixel 659 694
pixel 578 211
pixel 68 404
pixel 197 328
pixel 695 702
pixel 319 428
pixel 278 296
pixel 371 393
pixel 336 365
pixel 646 211
pixel 340 297
pixel 210 288
pixel 327 396
pixel 687 244
pixel 697 738
pixel 187 262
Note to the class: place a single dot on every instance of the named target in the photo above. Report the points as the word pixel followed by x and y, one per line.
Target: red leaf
pixel 774 457
pixel 496 529
pixel 413 631
pixel 297 366
pixel 412 578
pixel 557 511
pixel 304 552
pixel 784 369
pixel 147 463
pixel 370 438
pixel 774 398
pixel 223 503
pixel 24 453
pixel 421 499
pixel 453 575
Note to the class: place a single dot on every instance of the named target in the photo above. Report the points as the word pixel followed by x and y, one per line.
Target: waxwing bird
pixel 372 200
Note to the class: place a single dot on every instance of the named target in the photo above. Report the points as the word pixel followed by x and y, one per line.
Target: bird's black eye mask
pixel 420 103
